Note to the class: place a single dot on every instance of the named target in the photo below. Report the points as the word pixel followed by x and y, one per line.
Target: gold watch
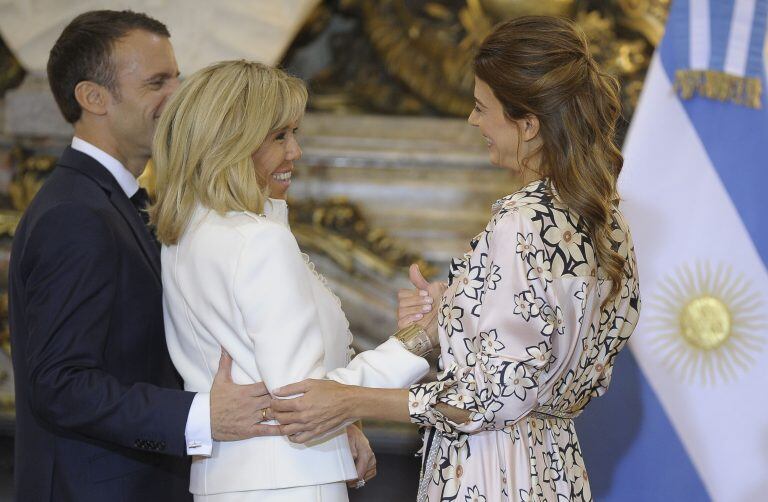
pixel 415 339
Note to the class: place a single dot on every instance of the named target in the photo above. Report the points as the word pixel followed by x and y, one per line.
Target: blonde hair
pixel 542 66
pixel 206 136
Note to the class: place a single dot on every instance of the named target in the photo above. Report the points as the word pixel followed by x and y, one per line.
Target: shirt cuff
pixel 198 431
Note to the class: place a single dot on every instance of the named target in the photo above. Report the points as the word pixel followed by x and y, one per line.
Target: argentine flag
pixel 687 415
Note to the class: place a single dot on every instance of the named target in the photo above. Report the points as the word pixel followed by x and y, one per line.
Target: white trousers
pixel 331 492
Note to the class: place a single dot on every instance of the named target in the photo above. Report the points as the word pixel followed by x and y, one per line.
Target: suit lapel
pixel 139 229
pixel 93 169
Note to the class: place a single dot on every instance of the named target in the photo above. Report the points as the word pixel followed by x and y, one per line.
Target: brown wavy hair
pixel 541 65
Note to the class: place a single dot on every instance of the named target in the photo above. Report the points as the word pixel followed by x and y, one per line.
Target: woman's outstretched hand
pixel 365 460
pixel 324 406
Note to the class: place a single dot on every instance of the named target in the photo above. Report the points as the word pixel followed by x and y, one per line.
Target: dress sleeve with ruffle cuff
pixel 422 399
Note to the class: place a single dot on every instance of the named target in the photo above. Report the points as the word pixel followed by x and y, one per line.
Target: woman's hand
pixel 324 406
pixel 420 305
pixel 414 304
pixel 365 460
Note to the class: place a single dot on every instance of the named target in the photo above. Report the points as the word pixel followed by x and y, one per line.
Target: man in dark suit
pixel 100 414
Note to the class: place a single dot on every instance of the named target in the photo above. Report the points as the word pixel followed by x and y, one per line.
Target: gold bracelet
pixel 414 339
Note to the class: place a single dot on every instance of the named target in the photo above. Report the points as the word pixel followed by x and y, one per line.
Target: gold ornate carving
pixel 5 335
pixel 647 17
pixel 30 172
pixel 9 220
pixel 337 229
pixel 426 49
pixel 11 72
pixel 506 9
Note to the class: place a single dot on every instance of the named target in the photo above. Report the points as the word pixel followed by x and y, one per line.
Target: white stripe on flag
pixel 700 34
pixel 765 53
pixel 737 52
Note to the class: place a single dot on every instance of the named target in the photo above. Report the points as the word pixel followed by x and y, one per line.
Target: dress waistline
pixel 553 414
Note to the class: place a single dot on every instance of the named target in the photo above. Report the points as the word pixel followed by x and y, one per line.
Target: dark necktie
pixel 140 200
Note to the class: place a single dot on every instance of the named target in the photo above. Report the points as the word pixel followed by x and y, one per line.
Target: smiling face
pixel 509 141
pixel 147 75
pixel 274 160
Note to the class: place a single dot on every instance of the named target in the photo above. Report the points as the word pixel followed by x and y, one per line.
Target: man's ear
pixel 92 97
pixel 530 127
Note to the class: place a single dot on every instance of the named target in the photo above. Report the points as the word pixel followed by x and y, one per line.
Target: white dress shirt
pixel 198 429
pixel 124 178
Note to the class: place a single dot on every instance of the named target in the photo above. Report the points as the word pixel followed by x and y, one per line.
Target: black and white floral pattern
pixel 523 312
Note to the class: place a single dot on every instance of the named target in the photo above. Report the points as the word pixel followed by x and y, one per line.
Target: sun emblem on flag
pixel 707 325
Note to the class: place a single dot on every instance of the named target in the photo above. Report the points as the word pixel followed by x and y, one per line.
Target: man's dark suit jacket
pixel 100 414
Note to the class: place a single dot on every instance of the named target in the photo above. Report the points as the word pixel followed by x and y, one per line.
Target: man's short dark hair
pixel 84 52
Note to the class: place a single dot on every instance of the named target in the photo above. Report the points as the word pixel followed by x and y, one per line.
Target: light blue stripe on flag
pixel 721 14
pixel 755 59
pixel 678 16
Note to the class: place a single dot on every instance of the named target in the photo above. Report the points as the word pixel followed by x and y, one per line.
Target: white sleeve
pixel 389 365
pixel 273 291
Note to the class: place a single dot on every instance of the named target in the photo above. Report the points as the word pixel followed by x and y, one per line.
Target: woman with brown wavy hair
pixel 536 312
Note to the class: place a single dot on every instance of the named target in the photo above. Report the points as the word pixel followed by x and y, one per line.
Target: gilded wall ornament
pixel 415 56
pixel 11 72
pixel 30 172
pixel 337 229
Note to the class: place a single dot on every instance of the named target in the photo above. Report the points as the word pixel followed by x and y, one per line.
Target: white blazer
pixel 239 281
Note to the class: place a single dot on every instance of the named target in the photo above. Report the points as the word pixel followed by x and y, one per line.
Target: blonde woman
pixel 235 279
pixel 540 305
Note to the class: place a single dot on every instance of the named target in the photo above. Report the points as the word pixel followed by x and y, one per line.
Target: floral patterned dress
pixel 526 343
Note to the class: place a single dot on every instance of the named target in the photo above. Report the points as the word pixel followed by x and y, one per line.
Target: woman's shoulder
pixel 536 201
pixel 245 227
pixel 535 221
pixel 537 208
pixel 534 195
